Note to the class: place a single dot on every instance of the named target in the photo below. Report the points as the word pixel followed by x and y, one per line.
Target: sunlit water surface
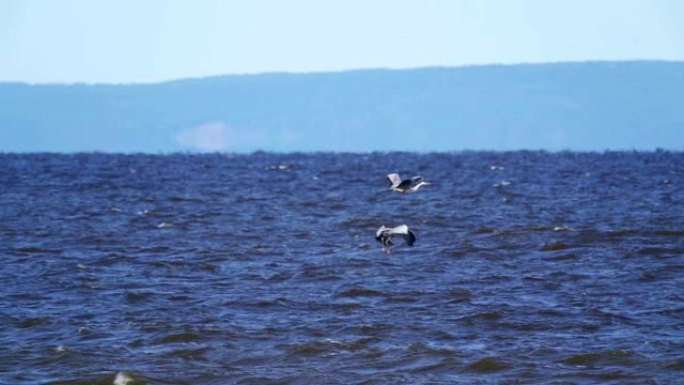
pixel 530 268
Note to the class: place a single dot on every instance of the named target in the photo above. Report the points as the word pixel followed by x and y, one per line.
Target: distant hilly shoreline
pixel 314 73
pixel 577 106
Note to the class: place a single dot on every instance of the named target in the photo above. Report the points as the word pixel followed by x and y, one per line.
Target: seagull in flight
pixel 407 185
pixel 384 235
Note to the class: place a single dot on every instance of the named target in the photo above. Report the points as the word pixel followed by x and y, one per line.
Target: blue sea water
pixel 529 268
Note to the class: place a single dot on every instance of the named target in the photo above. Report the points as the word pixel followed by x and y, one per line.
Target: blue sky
pixel 122 41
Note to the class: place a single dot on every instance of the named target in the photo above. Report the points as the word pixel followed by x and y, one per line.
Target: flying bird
pixel 384 235
pixel 407 185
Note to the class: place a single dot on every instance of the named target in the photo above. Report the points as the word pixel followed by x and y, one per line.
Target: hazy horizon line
pixel 328 152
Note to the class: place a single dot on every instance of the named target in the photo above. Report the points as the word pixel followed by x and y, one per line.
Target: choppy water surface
pixel 530 268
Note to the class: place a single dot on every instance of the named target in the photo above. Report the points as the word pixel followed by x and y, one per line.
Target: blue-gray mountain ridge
pixel 586 106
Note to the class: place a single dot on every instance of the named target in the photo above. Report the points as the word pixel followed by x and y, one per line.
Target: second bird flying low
pixel 384 235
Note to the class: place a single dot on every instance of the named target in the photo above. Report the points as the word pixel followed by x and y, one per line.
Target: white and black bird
pixel 406 185
pixel 384 235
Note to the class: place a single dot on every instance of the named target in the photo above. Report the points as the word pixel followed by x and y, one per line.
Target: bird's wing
pixel 404 231
pixel 394 179
pixel 410 238
pixel 405 184
pixel 416 179
pixel 401 230
pixel 380 231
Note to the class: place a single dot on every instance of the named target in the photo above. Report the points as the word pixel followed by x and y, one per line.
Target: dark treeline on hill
pixel 576 106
